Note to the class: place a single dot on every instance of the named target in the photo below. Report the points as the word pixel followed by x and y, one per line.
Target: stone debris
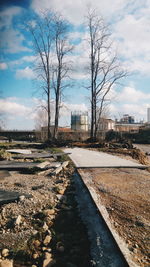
pixel 57 171
pixel 48 261
pixel 21 198
pixel 47 240
pixel 45 227
pixel 6 263
pixel 18 220
pixel 5 252
pixel 30 204
pixel 65 164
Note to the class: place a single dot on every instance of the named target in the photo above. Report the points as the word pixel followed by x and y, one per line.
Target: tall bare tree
pixel 42 35
pixel 51 44
pixel 61 67
pixel 105 70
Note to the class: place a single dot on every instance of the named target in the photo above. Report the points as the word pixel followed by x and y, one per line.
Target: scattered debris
pixel 4 155
pixel 35 212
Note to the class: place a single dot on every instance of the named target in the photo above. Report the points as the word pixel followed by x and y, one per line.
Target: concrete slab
pixel 84 158
pixel 39 155
pixel 10 196
pixel 19 151
pixel 12 165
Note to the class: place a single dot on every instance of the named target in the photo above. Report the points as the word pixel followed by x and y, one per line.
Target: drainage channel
pixel 104 250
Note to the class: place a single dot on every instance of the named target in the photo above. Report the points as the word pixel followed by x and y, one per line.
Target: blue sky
pixel 129 21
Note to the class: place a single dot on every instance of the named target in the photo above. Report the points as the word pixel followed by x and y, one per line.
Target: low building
pixel 106 125
pixel 128 127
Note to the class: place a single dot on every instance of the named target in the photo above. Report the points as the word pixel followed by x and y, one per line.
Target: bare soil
pixel 125 194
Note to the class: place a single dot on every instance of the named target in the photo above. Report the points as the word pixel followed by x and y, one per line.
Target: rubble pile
pixel 44 229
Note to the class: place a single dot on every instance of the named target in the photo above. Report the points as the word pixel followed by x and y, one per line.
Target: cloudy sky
pixel 129 22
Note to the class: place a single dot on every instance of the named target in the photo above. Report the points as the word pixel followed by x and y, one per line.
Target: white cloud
pixel 3 66
pixel 27 73
pixel 9 106
pixel 22 60
pixel 11 41
pixel 130 101
pixel 11 38
pixel 7 16
pixel 75 11
pixel 132 95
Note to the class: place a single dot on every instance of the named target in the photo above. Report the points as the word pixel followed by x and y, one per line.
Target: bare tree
pixel 105 70
pixel 41 29
pixel 61 67
pixel 49 34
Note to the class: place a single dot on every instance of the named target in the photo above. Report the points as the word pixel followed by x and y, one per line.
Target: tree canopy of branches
pixel 49 35
pixel 105 69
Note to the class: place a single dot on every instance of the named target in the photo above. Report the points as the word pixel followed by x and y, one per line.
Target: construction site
pixel 83 205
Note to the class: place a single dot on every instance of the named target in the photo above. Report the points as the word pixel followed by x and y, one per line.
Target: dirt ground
pixel 125 194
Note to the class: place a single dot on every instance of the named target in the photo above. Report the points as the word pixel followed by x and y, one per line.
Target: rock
pixel 64 164
pixel 49 212
pixel 34 232
pixel 48 262
pixel 5 252
pixel 35 256
pixel 22 198
pixel 61 197
pixel 61 191
pixel 6 263
pixel 45 227
pixel 18 220
pixel 47 255
pixel 47 240
pixel 37 243
pixel 57 170
pixel 44 248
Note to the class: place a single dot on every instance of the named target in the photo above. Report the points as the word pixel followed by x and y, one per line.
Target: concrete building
pixel 79 121
pixel 148 115
pixel 128 127
pixel 106 125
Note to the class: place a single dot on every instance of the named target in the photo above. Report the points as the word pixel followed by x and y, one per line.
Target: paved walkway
pixel 86 158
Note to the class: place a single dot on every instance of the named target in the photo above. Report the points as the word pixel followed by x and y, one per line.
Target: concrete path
pixel 84 158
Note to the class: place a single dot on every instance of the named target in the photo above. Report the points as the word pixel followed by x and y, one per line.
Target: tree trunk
pixel 48 115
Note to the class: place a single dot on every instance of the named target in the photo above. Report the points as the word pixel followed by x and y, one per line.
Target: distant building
pixel 127 119
pixel 128 127
pixel 79 121
pixel 148 115
pixel 106 125
pixel 127 124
